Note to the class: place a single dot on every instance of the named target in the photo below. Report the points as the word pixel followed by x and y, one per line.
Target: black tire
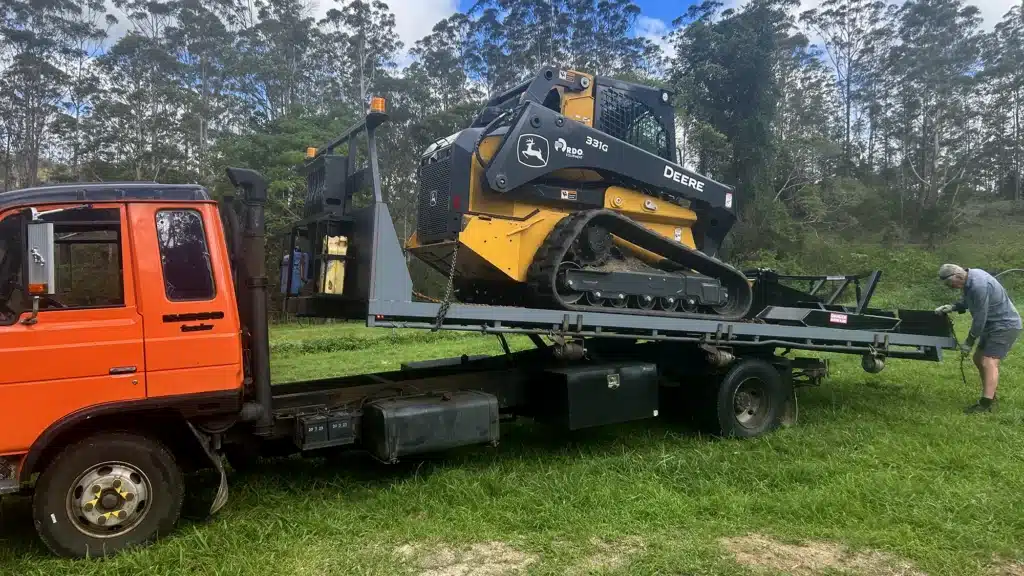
pixel 157 513
pixel 756 385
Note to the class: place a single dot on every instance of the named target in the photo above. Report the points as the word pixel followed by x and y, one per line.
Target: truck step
pixel 9 486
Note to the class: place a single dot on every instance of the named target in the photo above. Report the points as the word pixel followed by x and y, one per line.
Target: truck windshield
pixel 10 268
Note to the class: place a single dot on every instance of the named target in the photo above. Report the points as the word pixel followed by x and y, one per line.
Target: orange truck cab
pixel 120 333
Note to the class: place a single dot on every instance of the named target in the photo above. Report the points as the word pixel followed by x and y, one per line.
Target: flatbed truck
pixel 135 335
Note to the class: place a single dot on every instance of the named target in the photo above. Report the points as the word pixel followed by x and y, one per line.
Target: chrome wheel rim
pixel 109 499
pixel 751 403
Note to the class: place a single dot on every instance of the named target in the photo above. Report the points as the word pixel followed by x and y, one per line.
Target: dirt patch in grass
pixel 481 559
pixel 1009 569
pixel 810 558
pixel 609 556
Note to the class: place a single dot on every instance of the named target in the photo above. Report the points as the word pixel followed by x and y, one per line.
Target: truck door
pixel 85 346
pixel 192 338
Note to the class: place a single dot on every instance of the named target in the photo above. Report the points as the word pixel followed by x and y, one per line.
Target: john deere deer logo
pixel 533 150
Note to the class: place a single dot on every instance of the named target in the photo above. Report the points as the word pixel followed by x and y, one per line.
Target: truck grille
pixel 433 204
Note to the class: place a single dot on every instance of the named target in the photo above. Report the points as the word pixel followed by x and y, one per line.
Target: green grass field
pixel 882 475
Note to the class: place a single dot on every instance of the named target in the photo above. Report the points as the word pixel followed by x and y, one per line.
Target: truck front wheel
pixel 107 493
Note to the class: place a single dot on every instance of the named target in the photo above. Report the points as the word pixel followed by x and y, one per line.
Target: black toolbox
pixel 396 427
pixel 589 395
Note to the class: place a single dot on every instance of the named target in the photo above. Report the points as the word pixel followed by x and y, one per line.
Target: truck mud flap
pixel 222 491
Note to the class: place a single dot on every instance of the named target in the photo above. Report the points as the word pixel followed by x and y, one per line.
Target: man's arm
pixel 979 314
pixel 961 304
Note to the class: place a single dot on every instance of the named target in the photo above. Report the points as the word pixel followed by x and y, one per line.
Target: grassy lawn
pixel 882 475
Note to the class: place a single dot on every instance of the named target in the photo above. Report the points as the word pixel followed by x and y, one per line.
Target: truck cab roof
pixel 103 192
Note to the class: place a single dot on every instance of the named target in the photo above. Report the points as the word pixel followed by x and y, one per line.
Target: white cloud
pixel 654 30
pixel 414 19
pixel 992 11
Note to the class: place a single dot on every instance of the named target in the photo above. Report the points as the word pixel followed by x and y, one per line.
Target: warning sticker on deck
pixel 836 318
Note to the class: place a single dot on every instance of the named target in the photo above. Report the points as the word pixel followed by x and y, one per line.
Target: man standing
pixel 995 324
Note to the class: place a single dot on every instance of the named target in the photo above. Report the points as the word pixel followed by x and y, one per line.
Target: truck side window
pixel 184 255
pixel 88 260
pixel 87 263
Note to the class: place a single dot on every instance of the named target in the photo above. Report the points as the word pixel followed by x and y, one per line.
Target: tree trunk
pixel 849 102
pixel 7 159
pixel 1016 146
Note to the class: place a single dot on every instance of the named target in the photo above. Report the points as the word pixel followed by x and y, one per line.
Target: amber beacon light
pixel 377 104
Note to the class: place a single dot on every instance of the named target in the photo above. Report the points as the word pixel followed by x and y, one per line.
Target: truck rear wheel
pixel 751 399
pixel 107 493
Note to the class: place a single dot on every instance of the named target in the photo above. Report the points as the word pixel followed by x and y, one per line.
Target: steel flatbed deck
pixel 385 299
pixel 507 320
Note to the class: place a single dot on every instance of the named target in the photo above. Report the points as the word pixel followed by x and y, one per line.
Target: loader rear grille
pixel 630 120
pixel 433 203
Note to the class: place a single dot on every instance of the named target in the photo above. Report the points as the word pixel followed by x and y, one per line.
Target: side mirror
pixel 39 258
pixel 39 265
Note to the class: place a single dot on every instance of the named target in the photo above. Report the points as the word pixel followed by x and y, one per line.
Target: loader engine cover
pixel 576 397
pixel 396 427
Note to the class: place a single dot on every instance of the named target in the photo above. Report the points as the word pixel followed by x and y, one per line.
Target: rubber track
pixel 541 276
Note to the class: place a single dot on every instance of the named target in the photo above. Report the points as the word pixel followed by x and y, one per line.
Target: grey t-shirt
pixel 990 306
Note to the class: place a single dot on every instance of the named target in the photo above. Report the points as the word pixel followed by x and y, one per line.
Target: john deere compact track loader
pixel 565 192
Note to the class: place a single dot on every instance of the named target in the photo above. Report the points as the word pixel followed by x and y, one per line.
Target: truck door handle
pixel 123 370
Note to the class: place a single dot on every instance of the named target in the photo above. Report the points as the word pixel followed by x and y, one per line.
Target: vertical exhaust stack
pixel 253 280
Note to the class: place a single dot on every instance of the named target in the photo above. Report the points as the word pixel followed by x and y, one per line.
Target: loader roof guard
pixel 634 113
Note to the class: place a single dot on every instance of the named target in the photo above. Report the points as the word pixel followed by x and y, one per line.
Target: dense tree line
pixel 901 119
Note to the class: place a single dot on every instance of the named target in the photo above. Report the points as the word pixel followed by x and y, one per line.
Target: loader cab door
pixel 192 339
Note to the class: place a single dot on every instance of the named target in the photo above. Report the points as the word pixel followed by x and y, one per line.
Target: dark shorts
pixel 997 344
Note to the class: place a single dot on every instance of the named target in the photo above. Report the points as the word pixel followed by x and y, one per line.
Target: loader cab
pixel 637 114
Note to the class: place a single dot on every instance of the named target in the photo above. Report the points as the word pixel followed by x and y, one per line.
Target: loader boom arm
pixel 540 141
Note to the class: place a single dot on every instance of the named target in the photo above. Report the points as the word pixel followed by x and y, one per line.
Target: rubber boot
pixel 982 405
